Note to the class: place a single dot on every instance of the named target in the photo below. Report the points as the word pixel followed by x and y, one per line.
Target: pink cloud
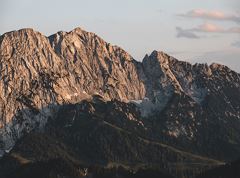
pixel 211 15
pixel 204 13
pixel 212 28
pixel 205 28
pixel 208 27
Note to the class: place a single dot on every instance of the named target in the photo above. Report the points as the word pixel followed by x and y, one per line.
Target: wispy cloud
pixel 204 28
pixel 211 15
pixel 185 33
pixel 234 30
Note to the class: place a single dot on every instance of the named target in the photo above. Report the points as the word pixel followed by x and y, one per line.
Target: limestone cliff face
pixel 29 73
pixel 98 66
pixel 39 73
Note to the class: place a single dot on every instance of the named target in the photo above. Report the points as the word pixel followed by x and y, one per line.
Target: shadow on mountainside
pixel 102 135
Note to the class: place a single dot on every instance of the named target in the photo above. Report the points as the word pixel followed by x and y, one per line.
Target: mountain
pixel 76 98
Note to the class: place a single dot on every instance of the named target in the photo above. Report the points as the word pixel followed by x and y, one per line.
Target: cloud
pixel 181 33
pixel 236 44
pixel 211 15
pixel 212 28
pixel 234 30
pixel 204 28
pixel 208 27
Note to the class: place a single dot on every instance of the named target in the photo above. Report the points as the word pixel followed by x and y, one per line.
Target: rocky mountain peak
pixel 219 67
pixel 21 31
pixel 78 30
pixel 157 66
pixel 157 57
pixel 23 34
pixel 160 55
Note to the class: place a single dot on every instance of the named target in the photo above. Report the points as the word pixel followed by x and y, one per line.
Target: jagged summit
pixel 217 66
pixel 163 57
pixel 79 29
pixel 83 34
pixel 23 30
pixel 159 56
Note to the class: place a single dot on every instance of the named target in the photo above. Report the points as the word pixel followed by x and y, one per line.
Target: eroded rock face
pixel 98 66
pixel 38 74
pixel 35 77
pixel 29 70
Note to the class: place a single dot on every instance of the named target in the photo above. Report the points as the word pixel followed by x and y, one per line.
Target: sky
pixel 202 31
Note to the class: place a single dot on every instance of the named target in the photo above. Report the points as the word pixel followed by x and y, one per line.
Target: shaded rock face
pixel 202 115
pixel 181 100
pixel 107 134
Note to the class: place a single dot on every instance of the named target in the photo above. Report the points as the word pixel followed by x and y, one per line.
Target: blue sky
pixel 191 30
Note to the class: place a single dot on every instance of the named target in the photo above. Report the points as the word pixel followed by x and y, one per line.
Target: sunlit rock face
pixel 39 73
